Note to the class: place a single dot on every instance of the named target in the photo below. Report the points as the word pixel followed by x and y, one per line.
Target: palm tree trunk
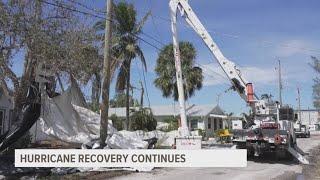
pixel 96 91
pixel 127 100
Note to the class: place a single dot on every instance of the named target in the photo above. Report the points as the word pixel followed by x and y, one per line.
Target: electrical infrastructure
pixel 280 82
pixel 271 127
pixel 105 90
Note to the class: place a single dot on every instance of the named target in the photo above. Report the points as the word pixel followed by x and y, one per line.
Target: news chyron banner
pixel 130 158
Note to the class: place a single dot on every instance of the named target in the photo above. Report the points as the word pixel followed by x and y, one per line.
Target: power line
pixel 151 5
pixel 234 36
pixel 212 71
pixel 267 43
pixel 150 44
pixel 156 40
pixel 64 6
pixel 97 16
pixel 168 20
pixel 138 37
pixel 87 7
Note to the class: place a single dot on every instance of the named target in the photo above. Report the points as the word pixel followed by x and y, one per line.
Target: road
pixel 257 169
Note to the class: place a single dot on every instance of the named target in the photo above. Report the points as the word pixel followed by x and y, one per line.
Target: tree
pixel 44 34
pixel 316 87
pixel 172 123
pixel 117 122
pixel 166 72
pixel 143 120
pixel 120 100
pixel 127 48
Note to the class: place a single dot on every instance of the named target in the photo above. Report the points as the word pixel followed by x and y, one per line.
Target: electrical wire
pixel 168 20
pixel 64 6
pixel 87 7
pixel 138 37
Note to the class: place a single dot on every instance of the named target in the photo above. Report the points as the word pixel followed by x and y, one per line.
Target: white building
pixel 309 117
pixel 204 117
pixel 6 107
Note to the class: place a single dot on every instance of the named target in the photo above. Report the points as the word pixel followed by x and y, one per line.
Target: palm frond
pixel 99 25
pixel 139 53
pixel 139 26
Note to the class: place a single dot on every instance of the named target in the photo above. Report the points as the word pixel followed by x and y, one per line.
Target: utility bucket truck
pixel 270 127
pixel 301 130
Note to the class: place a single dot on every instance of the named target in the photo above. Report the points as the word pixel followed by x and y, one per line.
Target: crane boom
pixel 239 83
pixel 255 135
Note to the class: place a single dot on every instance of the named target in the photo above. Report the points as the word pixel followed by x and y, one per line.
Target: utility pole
pixel 299 110
pixel 106 76
pixel 280 83
pixel 309 116
pixel 142 94
pixel 218 99
pixel 183 130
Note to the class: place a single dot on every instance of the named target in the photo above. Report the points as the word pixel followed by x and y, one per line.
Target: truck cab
pixel 301 130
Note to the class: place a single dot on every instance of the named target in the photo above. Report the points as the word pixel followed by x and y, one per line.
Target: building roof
pixel 312 110
pixel 217 110
pixel 173 110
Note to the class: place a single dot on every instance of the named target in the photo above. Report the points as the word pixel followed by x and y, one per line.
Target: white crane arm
pixel 229 67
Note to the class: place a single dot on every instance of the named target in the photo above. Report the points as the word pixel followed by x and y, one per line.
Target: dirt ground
pixel 266 167
pixel 312 171
pixel 263 168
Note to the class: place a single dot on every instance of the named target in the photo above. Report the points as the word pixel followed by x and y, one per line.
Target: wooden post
pixel 106 76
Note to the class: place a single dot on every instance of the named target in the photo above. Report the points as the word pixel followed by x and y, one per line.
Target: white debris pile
pixel 118 141
pixel 63 118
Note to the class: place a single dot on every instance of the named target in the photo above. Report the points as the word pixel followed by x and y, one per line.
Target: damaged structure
pixel 6 108
pixel 62 117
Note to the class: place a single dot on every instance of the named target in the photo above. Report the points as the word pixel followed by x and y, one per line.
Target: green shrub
pixel 116 122
pixel 202 132
pixel 172 124
pixel 143 120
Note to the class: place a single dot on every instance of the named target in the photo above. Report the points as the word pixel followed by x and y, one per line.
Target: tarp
pixel 27 117
pixel 62 119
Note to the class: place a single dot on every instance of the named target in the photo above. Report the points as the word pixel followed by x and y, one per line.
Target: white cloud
pixel 292 47
pixel 213 75
pixel 260 75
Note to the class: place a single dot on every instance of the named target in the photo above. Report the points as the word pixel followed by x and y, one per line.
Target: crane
pixel 239 83
pixel 267 132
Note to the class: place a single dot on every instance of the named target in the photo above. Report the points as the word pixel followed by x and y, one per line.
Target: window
pixel 194 124
pixel 221 124
pixel 209 123
pixel 215 123
pixel 1 120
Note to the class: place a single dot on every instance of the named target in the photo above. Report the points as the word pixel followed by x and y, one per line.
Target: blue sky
pixel 253 34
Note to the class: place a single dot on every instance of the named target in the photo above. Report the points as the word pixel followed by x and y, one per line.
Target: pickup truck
pixel 302 131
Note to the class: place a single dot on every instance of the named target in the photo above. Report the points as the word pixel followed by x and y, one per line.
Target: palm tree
pixel 127 48
pixel 166 72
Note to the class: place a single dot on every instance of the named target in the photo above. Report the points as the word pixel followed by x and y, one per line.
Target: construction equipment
pixel 224 135
pixel 271 126
pixel 301 130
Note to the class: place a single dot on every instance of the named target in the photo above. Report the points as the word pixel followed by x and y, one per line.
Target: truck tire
pixel 250 153
pixel 283 155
